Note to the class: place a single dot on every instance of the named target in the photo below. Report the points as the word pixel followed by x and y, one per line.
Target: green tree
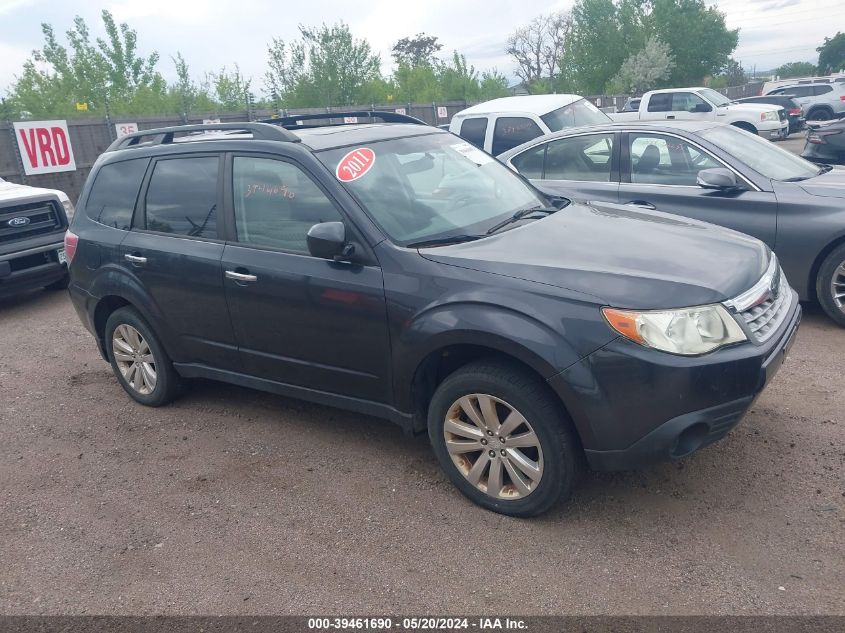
pixel 417 83
pixel 832 54
pixel 416 51
pixel 459 80
pixel 606 31
pixel 796 69
pixel 493 85
pixel 107 71
pixel 230 89
pixel 326 67
pixel 645 69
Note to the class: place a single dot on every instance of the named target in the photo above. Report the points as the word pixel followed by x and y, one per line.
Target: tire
pixel 59 284
pixel 557 455
pixel 830 283
pixel 819 114
pixel 153 383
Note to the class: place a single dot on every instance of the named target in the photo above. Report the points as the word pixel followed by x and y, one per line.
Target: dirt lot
pixel 233 501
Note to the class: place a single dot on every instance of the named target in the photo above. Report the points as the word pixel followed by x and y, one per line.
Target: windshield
pixel 432 187
pixel 716 98
pixel 759 154
pixel 576 114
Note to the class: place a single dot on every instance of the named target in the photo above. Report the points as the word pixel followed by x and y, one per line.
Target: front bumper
pixel 634 406
pixel 773 129
pixel 31 267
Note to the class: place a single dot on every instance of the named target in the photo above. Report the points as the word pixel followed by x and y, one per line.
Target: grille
pixel 764 318
pixel 43 218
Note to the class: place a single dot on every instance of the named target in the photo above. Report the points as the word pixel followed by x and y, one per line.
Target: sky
pixel 211 34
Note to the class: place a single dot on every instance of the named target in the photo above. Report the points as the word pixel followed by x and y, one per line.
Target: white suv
pixel 501 124
pixel 821 101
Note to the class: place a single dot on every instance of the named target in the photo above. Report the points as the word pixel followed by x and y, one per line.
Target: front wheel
pixel 138 359
pixel 503 439
pixel 820 115
pixel 830 285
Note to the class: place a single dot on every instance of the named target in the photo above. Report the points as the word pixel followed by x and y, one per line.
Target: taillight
pixel 795 111
pixel 71 240
pixel 815 139
pixel 842 97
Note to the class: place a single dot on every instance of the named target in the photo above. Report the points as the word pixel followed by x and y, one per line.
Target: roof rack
pixel 295 121
pixel 165 135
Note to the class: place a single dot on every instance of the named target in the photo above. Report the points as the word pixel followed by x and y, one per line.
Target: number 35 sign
pixel 122 129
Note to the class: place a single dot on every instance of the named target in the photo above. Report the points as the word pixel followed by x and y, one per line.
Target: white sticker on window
pixel 473 153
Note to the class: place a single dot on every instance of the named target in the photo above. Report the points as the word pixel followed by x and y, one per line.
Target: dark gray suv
pixel 393 269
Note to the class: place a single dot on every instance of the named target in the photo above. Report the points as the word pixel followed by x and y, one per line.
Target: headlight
pixel 769 116
pixel 68 205
pixel 687 331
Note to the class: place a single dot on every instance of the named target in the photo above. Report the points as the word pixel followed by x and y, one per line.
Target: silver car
pixel 821 101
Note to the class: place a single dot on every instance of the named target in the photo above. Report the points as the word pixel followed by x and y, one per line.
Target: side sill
pixel 348 403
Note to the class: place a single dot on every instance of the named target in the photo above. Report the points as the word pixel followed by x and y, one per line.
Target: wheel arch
pixel 819 108
pixel 745 125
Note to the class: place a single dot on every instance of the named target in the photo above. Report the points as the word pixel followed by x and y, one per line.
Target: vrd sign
pixel 44 147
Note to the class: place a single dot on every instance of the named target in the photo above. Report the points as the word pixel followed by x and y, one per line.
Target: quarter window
pixel 666 160
pixel 530 162
pixel 474 130
pixel 276 204
pixel 182 197
pixel 820 90
pixel 513 131
pixel 115 190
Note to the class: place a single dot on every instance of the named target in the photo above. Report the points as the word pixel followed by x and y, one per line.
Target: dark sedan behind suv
pixel 794 111
pixel 711 172
pixel 396 270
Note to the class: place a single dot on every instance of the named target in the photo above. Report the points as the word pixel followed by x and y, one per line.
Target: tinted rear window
pixel 182 197
pixel 512 131
pixel 115 190
pixel 473 130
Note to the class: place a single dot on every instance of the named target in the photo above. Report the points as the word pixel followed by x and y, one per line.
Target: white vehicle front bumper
pixel 773 129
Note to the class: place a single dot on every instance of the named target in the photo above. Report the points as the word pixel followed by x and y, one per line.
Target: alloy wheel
pixel 493 446
pixel 837 286
pixel 134 359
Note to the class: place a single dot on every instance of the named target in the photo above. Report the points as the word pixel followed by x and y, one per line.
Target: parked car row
pixel 820 101
pixel 608 293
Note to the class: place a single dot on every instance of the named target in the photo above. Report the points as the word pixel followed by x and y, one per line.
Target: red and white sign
pixel 442 112
pixel 355 164
pixel 400 111
pixel 122 129
pixel 350 119
pixel 44 147
pixel 210 121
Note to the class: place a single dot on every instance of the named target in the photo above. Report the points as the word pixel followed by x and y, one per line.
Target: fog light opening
pixel 690 440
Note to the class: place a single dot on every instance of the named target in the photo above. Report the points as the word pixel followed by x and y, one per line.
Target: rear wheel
pixel 830 285
pixel 138 359
pixel 503 439
pixel 820 114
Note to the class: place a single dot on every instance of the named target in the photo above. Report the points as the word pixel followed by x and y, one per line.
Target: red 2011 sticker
pixel 355 164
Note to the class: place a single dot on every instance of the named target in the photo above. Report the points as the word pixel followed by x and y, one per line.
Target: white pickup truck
pixel 705 104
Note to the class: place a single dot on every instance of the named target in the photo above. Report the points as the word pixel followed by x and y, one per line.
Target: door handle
pixel 135 259
pixel 240 277
pixel 642 204
pixel 670 116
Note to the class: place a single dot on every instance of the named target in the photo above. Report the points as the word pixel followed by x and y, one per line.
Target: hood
pixel 627 258
pixel 754 107
pixel 829 185
pixel 14 191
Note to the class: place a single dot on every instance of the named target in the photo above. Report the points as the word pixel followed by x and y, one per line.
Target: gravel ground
pixel 238 502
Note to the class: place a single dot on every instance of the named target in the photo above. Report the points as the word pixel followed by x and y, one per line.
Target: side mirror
pixel 327 240
pixel 718 178
pixel 702 107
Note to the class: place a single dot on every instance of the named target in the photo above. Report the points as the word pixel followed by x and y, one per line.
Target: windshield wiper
pixel 519 215
pixel 443 241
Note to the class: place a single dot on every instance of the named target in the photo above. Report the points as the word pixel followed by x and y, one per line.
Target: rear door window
pixel 530 162
pixel 474 130
pixel 115 190
pixel 182 197
pixel 661 102
pixel 511 131
pixel 585 158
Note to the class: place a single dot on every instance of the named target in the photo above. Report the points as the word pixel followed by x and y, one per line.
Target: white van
pixel 501 124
